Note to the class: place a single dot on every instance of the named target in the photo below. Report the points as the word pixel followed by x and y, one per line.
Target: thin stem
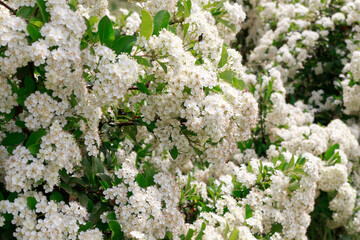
pixel 8 7
pixel 136 88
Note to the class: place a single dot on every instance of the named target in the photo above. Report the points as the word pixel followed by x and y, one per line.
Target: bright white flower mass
pixel 180 119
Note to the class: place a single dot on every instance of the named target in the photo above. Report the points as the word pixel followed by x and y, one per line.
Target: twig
pixel 8 7
pixel 136 88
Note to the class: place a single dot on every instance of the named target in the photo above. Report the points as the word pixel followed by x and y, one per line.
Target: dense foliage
pixel 187 119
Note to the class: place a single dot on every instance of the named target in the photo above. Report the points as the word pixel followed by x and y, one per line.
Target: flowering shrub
pixel 189 119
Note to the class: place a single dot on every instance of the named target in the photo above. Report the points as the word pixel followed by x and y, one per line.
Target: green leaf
pixel 31 202
pixel 142 88
pixel 56 196
pixel 227 24
pixel 83 199
pixel 248 211
pixel 331 151
pixel 78 181
pixel 187 7
pixel 299 170
pixel 224 57
pixel 115 230
pixel 36 22
pixel 111 216
pixel 93 20
pixel 163 66
pixel 89 32
pixel 67 188
pixel 234 234
pixel 106 31
pixel 292 162
pixel 105 178
pixel 33 31
pixel 227 229
pixel 34 141
pixel 146 24
pixel 294 186
pixel 140 179
pixel 85 227
pixel 97 166
pixel 238 83
pixel 201 233
pixel 276 227
pixel 124 44
pixel 186 28
pixel 96 211
pixel 73 100
pixel 189 234
pixel 25 12
pixel 42 8
pixel 172 29
pixel 227 76
pixel 10 116
pixel 143 61
pixel 161 20
pixel 174 152
pixel 29 84
pixel 13 139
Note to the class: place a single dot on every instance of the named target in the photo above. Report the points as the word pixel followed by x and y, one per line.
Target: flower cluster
pixel 180 119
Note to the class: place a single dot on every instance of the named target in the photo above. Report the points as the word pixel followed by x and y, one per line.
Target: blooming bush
pixel 187 119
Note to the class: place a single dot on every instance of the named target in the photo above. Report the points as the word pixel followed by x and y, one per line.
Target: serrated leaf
pixel 106 31
pixel 161 20
pixel 33 31
pixel 146 24
pixel 224 57
pixel 31 202
pixel 13 139
pixel 124 44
